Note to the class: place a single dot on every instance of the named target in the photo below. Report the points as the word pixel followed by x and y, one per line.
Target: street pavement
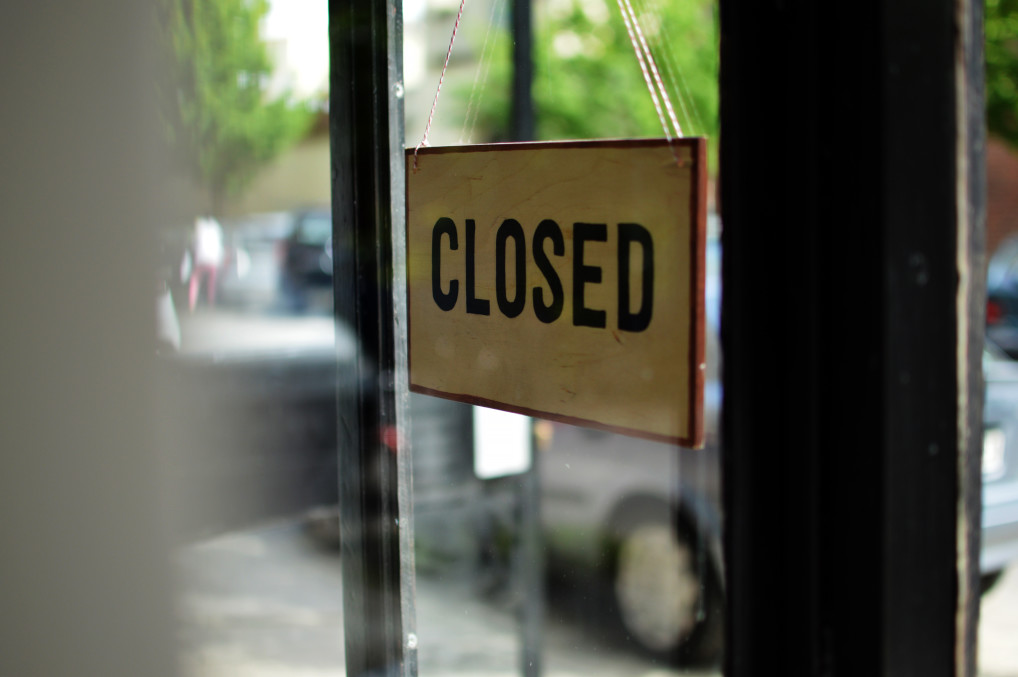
pixel 236 333
pixel 998 628
pixel 268 603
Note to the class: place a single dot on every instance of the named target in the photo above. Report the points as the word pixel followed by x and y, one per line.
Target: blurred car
pixel 249 279
pixel 1000 465
pixel 279 261
pixel 636 524
pixel 1002 297
pixel 305 261
pixel 639 522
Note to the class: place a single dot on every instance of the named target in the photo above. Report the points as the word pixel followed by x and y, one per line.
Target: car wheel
pixel 666 595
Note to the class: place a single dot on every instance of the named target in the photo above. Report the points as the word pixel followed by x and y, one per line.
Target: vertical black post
pixel 528 556
pixel 367 202
pixel 522 115
pixel 972 148
pixel 851 333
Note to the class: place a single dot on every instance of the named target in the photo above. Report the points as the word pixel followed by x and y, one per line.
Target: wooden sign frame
pixel 458 178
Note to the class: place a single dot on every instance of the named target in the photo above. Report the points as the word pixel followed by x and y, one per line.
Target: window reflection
pixel 629 566
pixel 249 393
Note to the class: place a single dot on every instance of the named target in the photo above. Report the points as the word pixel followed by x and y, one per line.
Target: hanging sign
pixel 562 280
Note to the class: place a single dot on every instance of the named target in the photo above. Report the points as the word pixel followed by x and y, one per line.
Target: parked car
pixel 636 524
pixel 249 280
pixel 279 261
pixel 1002 297
pixel 305 261
pixel 1000 465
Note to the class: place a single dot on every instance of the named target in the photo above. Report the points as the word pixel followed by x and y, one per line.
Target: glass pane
pixel 608 546
pixel 621 564
pixel 251 355
pixel 999 560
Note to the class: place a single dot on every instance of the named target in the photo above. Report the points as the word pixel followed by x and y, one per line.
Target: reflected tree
pixel 588 82
pixel 1002 69
pixel 222 122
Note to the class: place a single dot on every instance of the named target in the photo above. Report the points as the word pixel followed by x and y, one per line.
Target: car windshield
pixel 315 229
pixel 1001 269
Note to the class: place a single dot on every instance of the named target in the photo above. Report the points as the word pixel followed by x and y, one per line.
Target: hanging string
pixel 648 66
pixel 643 69
pixel 665 57
pixel 640 46
pixel 677 83
pixel 480 75
pixel 445 66
pixel 682 88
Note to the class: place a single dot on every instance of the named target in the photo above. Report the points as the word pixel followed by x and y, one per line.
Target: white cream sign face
pixel 562 280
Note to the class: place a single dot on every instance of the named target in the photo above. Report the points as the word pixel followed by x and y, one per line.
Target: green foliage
pixel 219 119
pixel 1002 69
pixel 588 82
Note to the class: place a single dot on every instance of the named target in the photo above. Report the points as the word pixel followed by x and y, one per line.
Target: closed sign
pixel 562 280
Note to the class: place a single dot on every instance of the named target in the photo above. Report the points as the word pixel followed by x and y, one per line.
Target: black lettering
pixel 444 300
pixel 475 305
pixel 640 320
pixel 548 230
pixel 511 228
pixel 582 274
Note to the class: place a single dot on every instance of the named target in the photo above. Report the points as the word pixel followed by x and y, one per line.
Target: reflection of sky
pixel 303 26
pixel 712 288
pixel 1003 265
pixel 712 308
pixel 413 10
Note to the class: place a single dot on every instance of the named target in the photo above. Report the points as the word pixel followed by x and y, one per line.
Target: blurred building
pixel 1001 192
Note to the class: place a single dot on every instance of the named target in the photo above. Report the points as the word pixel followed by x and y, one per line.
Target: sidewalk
pixel 268 603
pixel 998 628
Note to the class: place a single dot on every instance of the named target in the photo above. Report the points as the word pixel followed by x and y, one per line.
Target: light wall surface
pixel 85 586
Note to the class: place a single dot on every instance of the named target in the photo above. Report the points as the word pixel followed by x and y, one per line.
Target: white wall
pixel 84 577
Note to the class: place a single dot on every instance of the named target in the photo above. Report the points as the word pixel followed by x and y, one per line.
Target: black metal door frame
pixel 366 139
pixel 851 197
pixel 852 334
